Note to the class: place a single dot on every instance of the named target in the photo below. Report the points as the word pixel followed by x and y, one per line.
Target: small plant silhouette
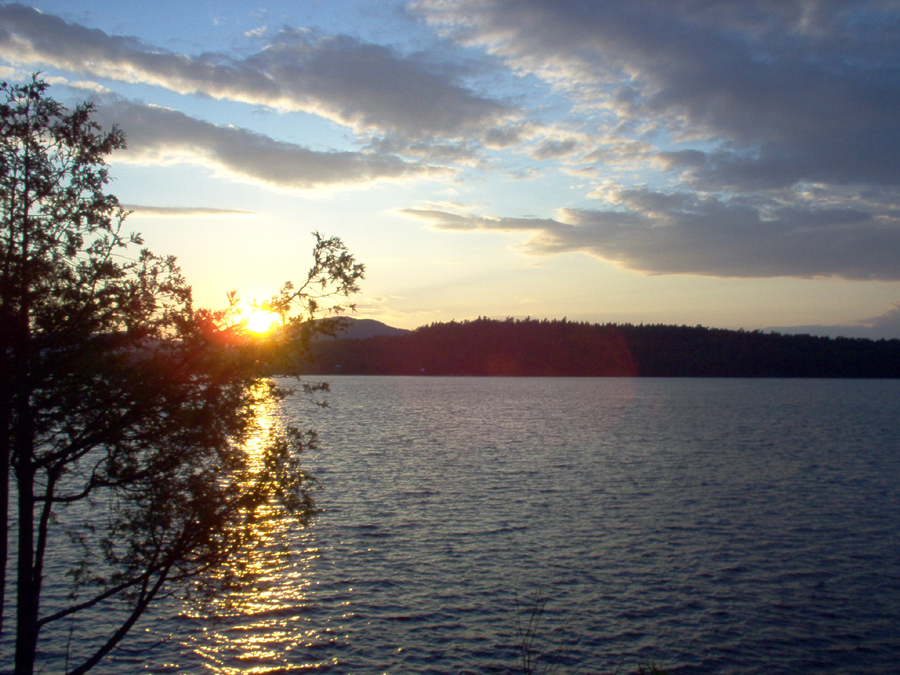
pixel 542 650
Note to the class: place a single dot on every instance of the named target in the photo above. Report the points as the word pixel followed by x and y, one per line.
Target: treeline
pixel 529 347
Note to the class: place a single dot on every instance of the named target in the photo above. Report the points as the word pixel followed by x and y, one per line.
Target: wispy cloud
pixel 138 210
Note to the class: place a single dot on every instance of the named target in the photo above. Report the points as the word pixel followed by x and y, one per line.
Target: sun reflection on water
pixel 262 626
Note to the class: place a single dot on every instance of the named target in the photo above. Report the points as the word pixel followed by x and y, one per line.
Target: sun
pixel 260 321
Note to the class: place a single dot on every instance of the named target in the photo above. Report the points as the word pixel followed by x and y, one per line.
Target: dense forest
pixel 532 347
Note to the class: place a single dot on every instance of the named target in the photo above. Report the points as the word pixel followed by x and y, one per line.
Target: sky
pixel 729 163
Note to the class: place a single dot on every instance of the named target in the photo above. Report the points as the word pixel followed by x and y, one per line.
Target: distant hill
pixel 561 348
pixel 359 329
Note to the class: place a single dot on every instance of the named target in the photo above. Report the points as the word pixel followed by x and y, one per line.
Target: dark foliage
pixel 565 349
pixel 124 411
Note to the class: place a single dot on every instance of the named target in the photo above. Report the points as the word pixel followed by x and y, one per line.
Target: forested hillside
pixel 562 348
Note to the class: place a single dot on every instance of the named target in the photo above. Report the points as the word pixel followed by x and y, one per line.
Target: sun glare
pixel 260 321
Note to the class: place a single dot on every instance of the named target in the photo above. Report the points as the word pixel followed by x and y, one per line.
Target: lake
pixel 708 526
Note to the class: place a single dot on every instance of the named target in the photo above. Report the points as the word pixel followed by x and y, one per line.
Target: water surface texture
pixel 710 526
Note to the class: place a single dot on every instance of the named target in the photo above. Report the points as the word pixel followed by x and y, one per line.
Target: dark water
pixel 709 526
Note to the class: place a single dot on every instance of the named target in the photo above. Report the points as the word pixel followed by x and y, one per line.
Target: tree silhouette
pixel 538 348
pixel 124 410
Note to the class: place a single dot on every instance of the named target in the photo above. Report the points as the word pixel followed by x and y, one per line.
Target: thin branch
pixel 116 637
pixel 115 590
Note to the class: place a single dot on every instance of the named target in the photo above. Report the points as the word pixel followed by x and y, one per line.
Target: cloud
pixel 161 135
pixel 773 122
pixel 685 233
pixel 462 222
pixel 362 85
pixel 510 135
pixel 256 32
pixel 770 93
pixel 138 211
pixel 372 86
pixel 885 326
pixel 428 151
pixel 554 149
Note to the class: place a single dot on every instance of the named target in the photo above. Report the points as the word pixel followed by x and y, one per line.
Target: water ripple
pixel 711 526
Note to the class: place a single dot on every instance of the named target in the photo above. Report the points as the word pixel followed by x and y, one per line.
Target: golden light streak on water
pixel 261 627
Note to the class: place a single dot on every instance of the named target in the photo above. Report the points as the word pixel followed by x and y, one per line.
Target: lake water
pixel 709 526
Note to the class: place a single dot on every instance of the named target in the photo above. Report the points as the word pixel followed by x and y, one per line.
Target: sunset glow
pixel 260 321
pixel 730 164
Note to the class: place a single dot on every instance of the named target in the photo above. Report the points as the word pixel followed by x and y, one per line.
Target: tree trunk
pixel 27 583
pixel 5 450
pixel 4 501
